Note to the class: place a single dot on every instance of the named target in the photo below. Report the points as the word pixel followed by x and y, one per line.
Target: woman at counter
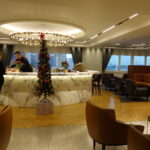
pixel 21 63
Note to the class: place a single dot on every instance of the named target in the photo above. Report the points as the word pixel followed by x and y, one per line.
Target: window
pixel 121 62
pixel 69 59
pixel 54 60
pixel 148 60
pixel 33 59
pixel 113 63
pixel 139 60
pixel 125 61
pixel 57 58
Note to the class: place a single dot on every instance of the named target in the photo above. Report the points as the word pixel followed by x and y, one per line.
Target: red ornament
pixel 47 56
pixel 18 61
pixel 42 36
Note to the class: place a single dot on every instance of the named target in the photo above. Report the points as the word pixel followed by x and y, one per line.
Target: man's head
pixel 18 55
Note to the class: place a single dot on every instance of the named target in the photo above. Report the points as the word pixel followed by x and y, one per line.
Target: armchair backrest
pixel 130 86
pixel 103 127
pixel 5 127
pixel 119 84
pixel 137 140
pixel 97 77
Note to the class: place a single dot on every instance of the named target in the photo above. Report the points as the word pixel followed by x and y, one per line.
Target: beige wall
pixel 92 58
pixel 25 48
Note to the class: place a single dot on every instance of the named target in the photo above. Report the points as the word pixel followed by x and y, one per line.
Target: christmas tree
pixel 44 71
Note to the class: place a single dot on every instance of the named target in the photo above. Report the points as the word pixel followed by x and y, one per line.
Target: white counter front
pixel 18 89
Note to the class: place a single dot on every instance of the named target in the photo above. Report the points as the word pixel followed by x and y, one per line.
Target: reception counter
pixel 18 89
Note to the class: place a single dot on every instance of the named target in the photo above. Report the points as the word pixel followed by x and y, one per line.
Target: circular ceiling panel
pixel 38 26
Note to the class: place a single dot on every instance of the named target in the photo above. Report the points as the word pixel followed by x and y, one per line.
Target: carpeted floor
pixel 56 138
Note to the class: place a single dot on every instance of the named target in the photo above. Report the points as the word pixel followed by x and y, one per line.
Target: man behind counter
pixel 21 63
pixel 2 72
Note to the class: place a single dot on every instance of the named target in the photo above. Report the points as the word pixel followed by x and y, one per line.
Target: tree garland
pixel 44 86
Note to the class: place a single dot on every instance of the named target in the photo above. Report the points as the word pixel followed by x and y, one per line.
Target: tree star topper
pixel 42 36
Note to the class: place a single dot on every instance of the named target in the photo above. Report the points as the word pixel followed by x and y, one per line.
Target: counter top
pixel 89 72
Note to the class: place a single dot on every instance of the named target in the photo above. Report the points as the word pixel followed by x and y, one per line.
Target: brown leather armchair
pixel 134 90
pixel 5 127
pixel 137 140
pixel 104 128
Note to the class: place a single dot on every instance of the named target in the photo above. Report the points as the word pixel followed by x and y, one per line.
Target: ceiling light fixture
pixel 117 44
pixel 139 44
pixel 33 38
pixel 81 41
pixel 133 16
pixel 110 28
pixel 93 37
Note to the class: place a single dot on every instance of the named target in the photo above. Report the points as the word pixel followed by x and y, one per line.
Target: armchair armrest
pixel 139 127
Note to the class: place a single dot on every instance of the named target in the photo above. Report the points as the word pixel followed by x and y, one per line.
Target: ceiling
pixel 87 17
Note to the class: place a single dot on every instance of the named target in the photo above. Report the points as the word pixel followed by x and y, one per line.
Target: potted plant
pixel 65 65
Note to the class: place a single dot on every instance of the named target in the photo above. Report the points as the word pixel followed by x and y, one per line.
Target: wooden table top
pixel 143 83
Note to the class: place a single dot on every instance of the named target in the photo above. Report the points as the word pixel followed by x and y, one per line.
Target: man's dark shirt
pixel 26 67
pixel 2 72
pixel 2 69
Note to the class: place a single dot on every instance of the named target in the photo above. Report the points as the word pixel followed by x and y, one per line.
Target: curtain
pixel 76 54
pixel 1 47
pixel 106 53
pixel 7 52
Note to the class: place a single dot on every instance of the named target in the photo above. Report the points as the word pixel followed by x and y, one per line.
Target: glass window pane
pixel 148 61
pixel 113 63
pixel 33 59
pixel 125 61
pixel 56 59
pixel 139 60
pixel 69 59
pixel 53 60
pixel 13 58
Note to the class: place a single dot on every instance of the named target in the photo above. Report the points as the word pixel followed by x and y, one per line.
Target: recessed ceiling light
pixel 143 44
pixel 93 37
pixel 139 44
pixel 110 28
pixel 117 44
pixel 133 16
pixel 81 41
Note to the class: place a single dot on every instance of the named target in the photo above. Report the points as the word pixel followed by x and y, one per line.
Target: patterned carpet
pixel 57 138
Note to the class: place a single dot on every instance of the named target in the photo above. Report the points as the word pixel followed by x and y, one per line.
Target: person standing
pixel 21 63
pixel 2 72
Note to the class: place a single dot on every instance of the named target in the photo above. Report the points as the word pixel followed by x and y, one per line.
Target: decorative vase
pixel 17 70
pixel 65 71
